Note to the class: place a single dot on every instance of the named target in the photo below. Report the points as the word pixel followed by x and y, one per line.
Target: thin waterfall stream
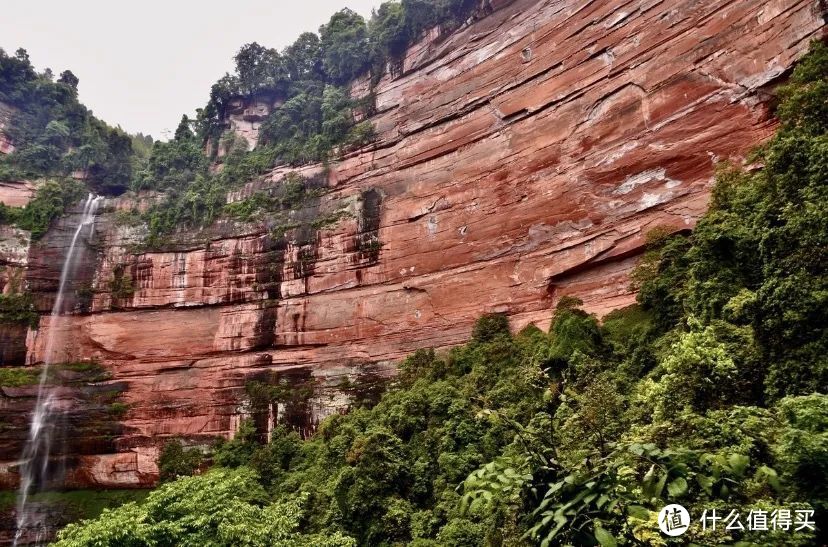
pixel 35 463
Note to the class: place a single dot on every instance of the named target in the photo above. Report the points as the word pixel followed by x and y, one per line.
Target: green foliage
pixel 239 450
pixel 17 377
pixel 609 500
pixel 73 505
pixel 177 461
pixel 345 46
pixel 395 25
pixel 118 409
pixel 660 278
pixel 758 256
pixel 802 448
pixel 260 68
pixel 171 165
pixel 203 201
pixel 573 331
pixel 9 214
pixel 194 205
pixel 54 134
pixel 389 32
pixel 490 326
pixel 312 124
pixel 18 308
pixel 223 507
pixel 51 200
pixel 303 59
pixel 80 371
pixel 141 147
pixel 121 285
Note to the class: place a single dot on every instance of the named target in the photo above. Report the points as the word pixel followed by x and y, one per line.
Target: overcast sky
pixel 143 64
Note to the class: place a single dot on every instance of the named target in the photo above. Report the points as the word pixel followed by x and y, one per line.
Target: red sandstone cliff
pixel 519 159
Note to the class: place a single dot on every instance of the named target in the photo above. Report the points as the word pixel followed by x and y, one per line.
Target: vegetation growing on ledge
pixel 121 286
pixel 18 308
pixel 313 120
pixel 50 202
pixel 81 372
pixel 309 74
pixel 205 201
pixel 18 377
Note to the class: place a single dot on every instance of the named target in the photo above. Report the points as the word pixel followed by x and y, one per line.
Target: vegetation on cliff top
pixel 711 392
pixel 314 117
pixel 313 120
pixel 54 134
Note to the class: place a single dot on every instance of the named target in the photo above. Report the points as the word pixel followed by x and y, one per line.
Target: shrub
pixel 177 461
pixel 489 326
pixel 345 46
pixel 19 308
pixel 17 377
pixel 50 202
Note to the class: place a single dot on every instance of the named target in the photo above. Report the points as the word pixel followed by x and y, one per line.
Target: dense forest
pixel 710 392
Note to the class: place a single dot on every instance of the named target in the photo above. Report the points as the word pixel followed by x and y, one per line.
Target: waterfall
pixel 34 468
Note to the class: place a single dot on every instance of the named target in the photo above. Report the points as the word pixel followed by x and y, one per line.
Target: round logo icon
pixel 673 520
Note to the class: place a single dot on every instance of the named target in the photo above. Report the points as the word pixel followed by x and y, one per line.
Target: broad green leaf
pixel 604 538
pixel 738 463
pixel 706 483
pixel 648 483
pixel 770 476
pixel 638 511
pixel 677 487
pixel 659 486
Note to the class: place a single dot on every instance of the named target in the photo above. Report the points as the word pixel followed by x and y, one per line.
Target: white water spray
pixel 34 466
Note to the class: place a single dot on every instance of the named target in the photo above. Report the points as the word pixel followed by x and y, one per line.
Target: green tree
pixel 388 32
pixel 183 131
pixel 345 47
pixel 303 59
pixel 223 507
pixel 68 78
pixel 177 461
pixel 260 69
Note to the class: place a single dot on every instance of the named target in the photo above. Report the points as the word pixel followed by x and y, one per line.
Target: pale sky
pixel 142 64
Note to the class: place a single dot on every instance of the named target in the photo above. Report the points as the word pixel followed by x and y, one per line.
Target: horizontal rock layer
pixel 520 158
